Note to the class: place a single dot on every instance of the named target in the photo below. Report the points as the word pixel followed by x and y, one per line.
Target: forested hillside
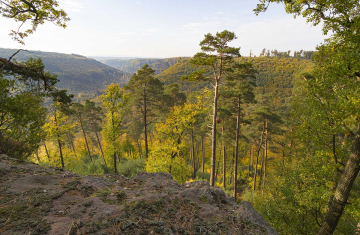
pixel 84 77
pixel 133 65
pixel 275 76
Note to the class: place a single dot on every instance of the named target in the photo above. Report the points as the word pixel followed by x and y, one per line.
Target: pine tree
pixel 94 115
pixel 238 90
pixel 146 97
pixel 215 59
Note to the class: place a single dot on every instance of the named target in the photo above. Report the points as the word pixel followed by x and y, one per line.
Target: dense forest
pixel 278 129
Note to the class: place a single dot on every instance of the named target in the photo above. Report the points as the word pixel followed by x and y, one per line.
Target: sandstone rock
pixel 44 200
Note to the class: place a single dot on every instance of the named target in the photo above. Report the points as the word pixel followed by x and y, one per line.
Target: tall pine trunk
pixel 145 129
pixel 113 142
pixel 249 165
pixel 61 154
pixel 115 168
pixel 257 156
pixel 236 148
pixel 252 158
pixel 213 137
pixel 266 143
pixel 224 161
pixel 261 167
pixel 343 188
pixel 203 153
pixel 197 155
pixel 193 154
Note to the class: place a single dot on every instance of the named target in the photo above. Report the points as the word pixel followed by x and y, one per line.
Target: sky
pixel 165 28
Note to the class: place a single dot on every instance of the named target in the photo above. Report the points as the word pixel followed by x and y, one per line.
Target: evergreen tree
pixel 146 97
pixel 78 110
pixel 94 115
pixel 215 59
pixel 238 90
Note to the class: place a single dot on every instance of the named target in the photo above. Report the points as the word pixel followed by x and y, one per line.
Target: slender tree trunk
pixel 249 165
pixel 203 153
pixel 61 154
pixel 197 155
pixel 252 158
pixel 232 169
pixel 343 189
pixel 213 140
pixel 334 149
pixel 217 164
pixel 145 130
pixel 98 140
pixel 193 154
pixel 59 143
pixel 257 156
pixel 139 147
pixel 150 138
pixel 236 148
pixel 113 139
pixel 115 168
pixel 87 145
pixel 71 142
pixel 37 155
pixel 266 142
pixel 47 152
pixel 255 171
pixel 261 167
pixel 224 161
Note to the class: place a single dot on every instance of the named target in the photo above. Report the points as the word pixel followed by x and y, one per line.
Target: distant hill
pixel 101 58
pixel 131 66
pixel 84 77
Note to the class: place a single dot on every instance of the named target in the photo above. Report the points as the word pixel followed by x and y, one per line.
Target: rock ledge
pixel 44 200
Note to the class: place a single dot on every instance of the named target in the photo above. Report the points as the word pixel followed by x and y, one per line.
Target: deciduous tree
pixel 113 103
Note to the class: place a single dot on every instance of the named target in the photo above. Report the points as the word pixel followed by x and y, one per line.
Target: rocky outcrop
pixel 44 200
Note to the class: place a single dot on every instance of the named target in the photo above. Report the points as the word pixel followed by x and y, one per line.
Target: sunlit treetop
pixel 36 12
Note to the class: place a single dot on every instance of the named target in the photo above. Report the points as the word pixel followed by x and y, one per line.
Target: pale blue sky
pixel 165 28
